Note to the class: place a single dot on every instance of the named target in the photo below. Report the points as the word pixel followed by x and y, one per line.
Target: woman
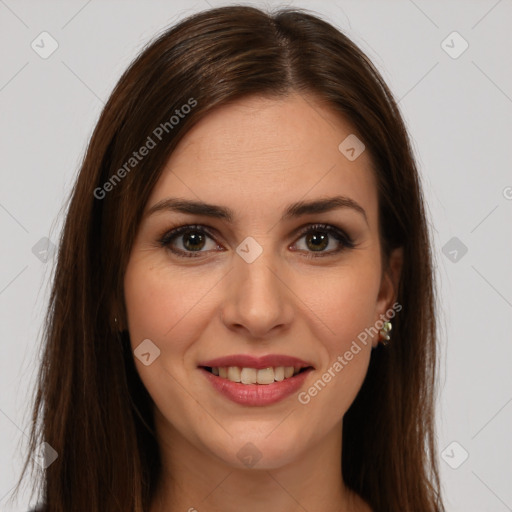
pixel 243 314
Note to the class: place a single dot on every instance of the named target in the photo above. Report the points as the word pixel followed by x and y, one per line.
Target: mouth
pixel 256 376
pixel 256 381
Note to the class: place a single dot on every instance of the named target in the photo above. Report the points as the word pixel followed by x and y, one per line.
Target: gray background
pixel 458 111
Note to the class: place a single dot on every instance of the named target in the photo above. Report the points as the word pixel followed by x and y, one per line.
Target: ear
pixel 388 291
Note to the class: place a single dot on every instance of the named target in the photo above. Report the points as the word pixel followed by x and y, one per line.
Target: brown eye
pixel 193 241
pixel 187 240
pixel 316 241
pixel 318 237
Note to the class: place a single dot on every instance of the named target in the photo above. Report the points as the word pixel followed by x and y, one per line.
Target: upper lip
pixel 248 361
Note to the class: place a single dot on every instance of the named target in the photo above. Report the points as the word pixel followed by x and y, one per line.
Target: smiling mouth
pixel 263 376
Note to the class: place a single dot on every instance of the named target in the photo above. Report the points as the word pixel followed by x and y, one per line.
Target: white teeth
pixel 279 373
pixel 234 374
pixel 255 376
pixel 248 375
pixel 265 376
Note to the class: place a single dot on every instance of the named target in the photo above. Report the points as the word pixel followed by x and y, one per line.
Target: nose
pixel 258 299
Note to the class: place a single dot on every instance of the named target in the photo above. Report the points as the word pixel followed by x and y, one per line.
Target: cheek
pixel 167 307
pixel 344 303
pixel 162 302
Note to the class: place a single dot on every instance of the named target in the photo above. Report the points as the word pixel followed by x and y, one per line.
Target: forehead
pixel 258 153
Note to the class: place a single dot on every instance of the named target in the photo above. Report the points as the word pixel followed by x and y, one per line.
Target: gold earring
pixel 384 332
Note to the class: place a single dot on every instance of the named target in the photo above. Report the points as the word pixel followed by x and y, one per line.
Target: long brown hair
pixel 90 405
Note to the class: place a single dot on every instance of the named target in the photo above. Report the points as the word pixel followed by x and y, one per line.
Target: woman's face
pixel 259 283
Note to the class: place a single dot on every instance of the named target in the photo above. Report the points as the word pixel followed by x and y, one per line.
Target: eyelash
pixel 336 233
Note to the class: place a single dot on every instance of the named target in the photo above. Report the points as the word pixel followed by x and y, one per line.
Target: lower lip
pixel 257 394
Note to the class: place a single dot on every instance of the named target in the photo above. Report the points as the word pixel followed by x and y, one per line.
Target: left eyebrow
pixel 321 206
pixel 294 210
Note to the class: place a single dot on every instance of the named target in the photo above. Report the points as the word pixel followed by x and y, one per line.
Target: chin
pixel 258 451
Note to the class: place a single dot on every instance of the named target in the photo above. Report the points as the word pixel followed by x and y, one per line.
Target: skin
pixel 256 156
